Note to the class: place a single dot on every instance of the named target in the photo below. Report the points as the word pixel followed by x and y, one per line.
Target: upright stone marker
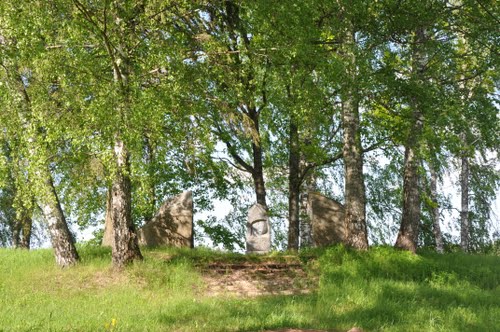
pixel 171 226
pixel 108 237
pixel 258 230
pixel 327 220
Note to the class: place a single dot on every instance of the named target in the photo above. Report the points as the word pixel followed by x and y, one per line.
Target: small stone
pixel 355 329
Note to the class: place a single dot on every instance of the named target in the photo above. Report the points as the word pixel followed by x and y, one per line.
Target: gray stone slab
pixel 327 220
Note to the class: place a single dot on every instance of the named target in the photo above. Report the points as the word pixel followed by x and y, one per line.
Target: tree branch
pixel 318 164
pixel 488 11
pixel 233 164
pixel 246 167
pixel 238 159
pixel 107 44
pixel 375 145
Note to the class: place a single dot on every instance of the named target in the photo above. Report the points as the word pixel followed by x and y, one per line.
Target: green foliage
pixel 221 235
pixel 189 85
pixel 484 182
pixel 493 248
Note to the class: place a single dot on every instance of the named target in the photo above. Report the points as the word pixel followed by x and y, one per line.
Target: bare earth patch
pixel 354 329
pixel 256 279
pixel 299 330
pixel 249 279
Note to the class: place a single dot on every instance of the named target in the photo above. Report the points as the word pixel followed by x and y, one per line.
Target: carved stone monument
pixel 258 230
pixel 327 220
pixel 171 226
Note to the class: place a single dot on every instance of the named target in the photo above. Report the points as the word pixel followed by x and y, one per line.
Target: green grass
pixel 379 290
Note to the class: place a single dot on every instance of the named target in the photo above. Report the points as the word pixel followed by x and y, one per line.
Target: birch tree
pixel 23 79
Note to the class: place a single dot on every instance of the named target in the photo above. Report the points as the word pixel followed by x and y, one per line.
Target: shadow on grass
pixel 386 289
pixel 380 290
pixel 410 307
pixel 384 263
pixel 92 253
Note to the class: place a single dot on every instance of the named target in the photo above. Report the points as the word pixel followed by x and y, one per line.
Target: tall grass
pixel 379 290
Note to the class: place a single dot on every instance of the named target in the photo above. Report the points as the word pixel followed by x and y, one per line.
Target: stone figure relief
pixel 258 227
pixel 258 237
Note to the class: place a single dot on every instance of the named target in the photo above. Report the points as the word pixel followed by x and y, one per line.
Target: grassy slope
pixel 382 290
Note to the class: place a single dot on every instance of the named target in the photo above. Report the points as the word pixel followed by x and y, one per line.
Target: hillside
pixel 201 290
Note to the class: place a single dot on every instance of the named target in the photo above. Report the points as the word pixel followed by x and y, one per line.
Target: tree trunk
pixel 23 227
pixel 258 176
pixel 438 237
pixel 60 236
pixel 464 211
pixel 26 237
pixel 305 221
pixel 149 158
pixel 16 233
pixel 125 247
pixel 410 223
pixel 258 169
pixel 293 187
pixel 108 237
pixel 355 198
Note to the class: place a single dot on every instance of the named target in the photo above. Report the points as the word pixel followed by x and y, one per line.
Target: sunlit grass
pixel 379 290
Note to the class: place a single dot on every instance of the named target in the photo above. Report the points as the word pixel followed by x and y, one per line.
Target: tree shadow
pixel 417 307
pixel 378 290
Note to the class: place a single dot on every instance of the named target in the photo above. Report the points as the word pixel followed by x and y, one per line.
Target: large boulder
pixel 171 226
pixel 327 220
